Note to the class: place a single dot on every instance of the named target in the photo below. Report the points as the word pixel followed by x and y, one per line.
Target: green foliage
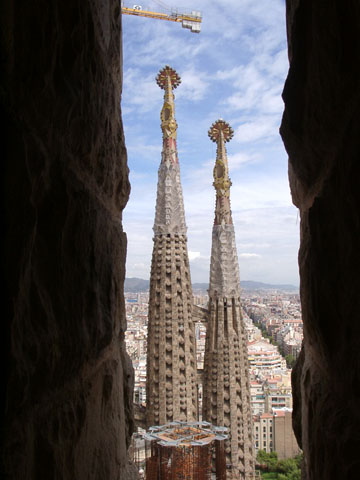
pixel 290 468
pixel 287 469
pixel 268 459
pixel 290 360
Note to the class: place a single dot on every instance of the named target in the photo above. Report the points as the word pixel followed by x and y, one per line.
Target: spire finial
pixel 218 127
pixel 168 79
pixel 164 74
pixel 221 132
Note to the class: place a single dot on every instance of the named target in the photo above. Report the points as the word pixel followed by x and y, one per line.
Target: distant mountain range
pixel 136 285
pixel 133 285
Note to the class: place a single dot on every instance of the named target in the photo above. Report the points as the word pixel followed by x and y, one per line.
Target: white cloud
pixel 249 255
pixel 254 245
pixel 141 91
pixel 145 149
pixel 151 42
pixel 262 128
pixel 193 85
pixel 237 160
pixel 193 255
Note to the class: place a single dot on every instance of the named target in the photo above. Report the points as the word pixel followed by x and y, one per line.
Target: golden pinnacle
pixel 168 72
pixel 220 126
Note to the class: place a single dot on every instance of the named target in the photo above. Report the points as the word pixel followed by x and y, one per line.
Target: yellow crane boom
pixel 191 20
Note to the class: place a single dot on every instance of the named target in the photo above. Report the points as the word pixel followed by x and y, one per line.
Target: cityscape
pixel 274 329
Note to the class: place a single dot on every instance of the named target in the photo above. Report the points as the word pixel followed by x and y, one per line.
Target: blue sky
pixel 234 69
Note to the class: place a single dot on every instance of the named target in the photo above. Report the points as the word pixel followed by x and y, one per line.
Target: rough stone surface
pixel 65 183
pixel 171 381
pixel 320 129
pixel 226 367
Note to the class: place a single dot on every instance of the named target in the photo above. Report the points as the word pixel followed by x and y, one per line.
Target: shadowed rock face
pixel 65 184
pixel 320 130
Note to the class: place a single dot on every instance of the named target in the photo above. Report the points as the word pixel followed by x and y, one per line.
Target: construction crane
pixel 191 19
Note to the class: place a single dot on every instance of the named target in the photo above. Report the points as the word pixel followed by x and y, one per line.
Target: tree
pixel 290 360
pixel 287 469
pixel 268 459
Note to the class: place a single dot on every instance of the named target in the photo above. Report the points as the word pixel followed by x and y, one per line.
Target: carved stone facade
pixel 171 388
pixel 226 377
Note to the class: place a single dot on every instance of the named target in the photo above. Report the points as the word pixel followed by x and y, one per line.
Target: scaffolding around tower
pixel 185 450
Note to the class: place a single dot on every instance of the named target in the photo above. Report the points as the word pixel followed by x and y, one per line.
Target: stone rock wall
pixel 320 129
pixel 64 184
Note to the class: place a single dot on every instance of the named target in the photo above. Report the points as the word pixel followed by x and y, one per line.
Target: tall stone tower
pixel 171 384
pixel 226 376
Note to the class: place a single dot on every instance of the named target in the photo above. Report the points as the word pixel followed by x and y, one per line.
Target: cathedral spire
pixel 226 392
pixel 171 383
pixel 221 132
pixel 224 269
pixel 168 80
pixel 169 216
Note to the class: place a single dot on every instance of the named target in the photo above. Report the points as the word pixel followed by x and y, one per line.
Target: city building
pixel 264 432
pixel 274 432
pixel 285 445
pixel 263 356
